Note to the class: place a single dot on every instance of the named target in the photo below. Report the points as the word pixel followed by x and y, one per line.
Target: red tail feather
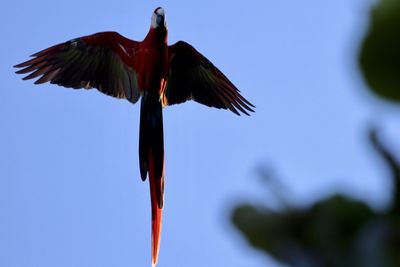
pixel 156 185
pixel 151 156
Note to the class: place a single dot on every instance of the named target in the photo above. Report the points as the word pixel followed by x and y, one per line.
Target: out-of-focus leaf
pixel 380 51
pixel 322 235
pixel 334 232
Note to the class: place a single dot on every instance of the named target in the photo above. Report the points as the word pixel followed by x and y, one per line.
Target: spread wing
pixel 193 76
pixel 102 61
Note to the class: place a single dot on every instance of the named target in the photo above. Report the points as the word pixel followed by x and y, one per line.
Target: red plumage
pixel 160 74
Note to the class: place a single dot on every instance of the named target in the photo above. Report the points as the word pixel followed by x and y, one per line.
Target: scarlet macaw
pixel 162 75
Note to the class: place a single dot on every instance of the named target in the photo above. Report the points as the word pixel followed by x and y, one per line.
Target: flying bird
pixel 158 73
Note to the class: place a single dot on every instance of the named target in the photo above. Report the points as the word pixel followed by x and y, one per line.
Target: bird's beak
pixel 160 20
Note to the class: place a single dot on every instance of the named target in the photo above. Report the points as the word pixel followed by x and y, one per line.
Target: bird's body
pixel 152 61
pixel 159 74
pixel 152 65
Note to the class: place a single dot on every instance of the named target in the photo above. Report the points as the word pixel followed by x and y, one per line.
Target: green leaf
pixel 380 51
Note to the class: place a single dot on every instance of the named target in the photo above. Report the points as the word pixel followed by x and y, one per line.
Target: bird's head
pixel 158 18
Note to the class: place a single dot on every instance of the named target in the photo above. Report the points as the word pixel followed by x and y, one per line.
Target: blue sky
pixel 70 192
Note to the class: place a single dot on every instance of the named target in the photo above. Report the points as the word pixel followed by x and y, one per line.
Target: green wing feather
pixel 94 61
pixel 193 77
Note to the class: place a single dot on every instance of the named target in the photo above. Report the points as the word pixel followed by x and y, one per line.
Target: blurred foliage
pixel 380 52
pixel 340 231
pixel 335 232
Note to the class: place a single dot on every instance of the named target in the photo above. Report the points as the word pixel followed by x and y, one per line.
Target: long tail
pixel 151 157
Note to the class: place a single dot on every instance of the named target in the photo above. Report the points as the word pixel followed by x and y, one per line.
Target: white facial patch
pixel 154 21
